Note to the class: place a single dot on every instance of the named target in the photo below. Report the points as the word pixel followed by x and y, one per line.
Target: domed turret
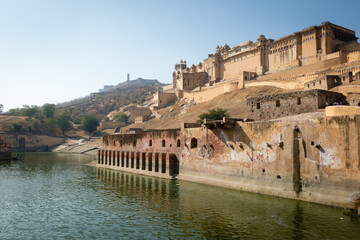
pixel 261 38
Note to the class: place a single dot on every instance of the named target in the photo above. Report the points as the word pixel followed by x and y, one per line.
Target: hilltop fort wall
pixel 293 103
pixel 327 43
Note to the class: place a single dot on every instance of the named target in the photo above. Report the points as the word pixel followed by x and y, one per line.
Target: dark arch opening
pixel 193 143
pixel 178 143
pixel 163 143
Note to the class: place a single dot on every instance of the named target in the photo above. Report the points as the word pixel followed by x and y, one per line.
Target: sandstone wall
pixel 259 157
pixel 308 157
pixel 35 142
pixel 287 104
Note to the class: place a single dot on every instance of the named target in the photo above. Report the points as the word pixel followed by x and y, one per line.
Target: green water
pixel 57 196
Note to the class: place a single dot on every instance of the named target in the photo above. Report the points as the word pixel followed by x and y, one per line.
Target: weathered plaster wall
pixel 259 157
pixel 309 157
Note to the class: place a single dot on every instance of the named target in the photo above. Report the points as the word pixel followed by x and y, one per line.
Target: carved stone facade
pixel 326 42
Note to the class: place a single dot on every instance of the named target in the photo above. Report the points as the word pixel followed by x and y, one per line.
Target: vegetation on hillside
pixel 101 104
pixel 88 111
pixel 89 123
pixel 121 117
pixel 213 114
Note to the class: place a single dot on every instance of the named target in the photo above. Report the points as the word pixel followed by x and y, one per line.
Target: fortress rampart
pixel 309 157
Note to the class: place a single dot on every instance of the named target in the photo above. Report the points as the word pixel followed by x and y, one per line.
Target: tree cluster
pixel 213 114
pixel 47 119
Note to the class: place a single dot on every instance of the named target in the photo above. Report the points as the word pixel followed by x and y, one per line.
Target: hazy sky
pixel 57 50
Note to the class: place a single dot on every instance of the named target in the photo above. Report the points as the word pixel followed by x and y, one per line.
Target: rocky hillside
pixel 186 110
pixel 101 103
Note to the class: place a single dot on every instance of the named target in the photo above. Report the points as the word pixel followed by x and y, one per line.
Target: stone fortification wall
pixel 287 104
pixel 34 142
pixel 325 83
pixel 353 56
pixel 139 112
pixel 193 80
pixel 332 111
pixel 327 44
pixel 149 152
pixel 309 157
pixel 162 99
pixel 111 125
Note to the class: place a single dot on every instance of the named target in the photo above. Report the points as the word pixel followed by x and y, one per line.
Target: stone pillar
pixel 167 162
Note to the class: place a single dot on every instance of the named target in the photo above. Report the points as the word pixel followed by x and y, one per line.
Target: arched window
pixel 193 143
pixel 163 143
pixel 150 143
pixel 178 143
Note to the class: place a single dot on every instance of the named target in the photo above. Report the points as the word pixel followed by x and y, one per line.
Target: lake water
pixel 57 196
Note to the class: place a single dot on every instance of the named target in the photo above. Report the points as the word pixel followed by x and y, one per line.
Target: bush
pixel 48 110
pixel 51 125
pixel 63 122
pixel 213 114
pixel 17 127
pixel 89 123
pixel 121 117
pixel 32 111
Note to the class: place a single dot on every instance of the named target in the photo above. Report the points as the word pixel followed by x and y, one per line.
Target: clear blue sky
pixel 57 50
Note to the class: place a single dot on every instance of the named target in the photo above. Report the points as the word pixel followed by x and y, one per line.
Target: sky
pixel 53 51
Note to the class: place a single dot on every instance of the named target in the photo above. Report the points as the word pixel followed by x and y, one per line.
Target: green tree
pixel 1 108
pixel 48 110
pixel 121 117
pixel 51 125
pixel 89 123
pixel 17 127
pixel 14 112
pixel 63 122
pixel 30 111
pixel 213 114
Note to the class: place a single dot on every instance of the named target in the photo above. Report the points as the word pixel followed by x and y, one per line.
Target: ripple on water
pixel 51 196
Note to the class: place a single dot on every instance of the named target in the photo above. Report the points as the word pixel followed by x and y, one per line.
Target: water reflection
pixel 221 213
pixel 57 196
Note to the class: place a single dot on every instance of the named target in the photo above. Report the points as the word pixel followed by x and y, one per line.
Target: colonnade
pixel 148 163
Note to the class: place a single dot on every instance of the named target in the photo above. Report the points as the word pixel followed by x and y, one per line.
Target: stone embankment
pixel 71 145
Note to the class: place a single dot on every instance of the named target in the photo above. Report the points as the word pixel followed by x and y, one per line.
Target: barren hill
pixel 186 110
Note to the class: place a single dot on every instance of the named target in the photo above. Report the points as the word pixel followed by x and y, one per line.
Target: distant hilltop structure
pixel 135 82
